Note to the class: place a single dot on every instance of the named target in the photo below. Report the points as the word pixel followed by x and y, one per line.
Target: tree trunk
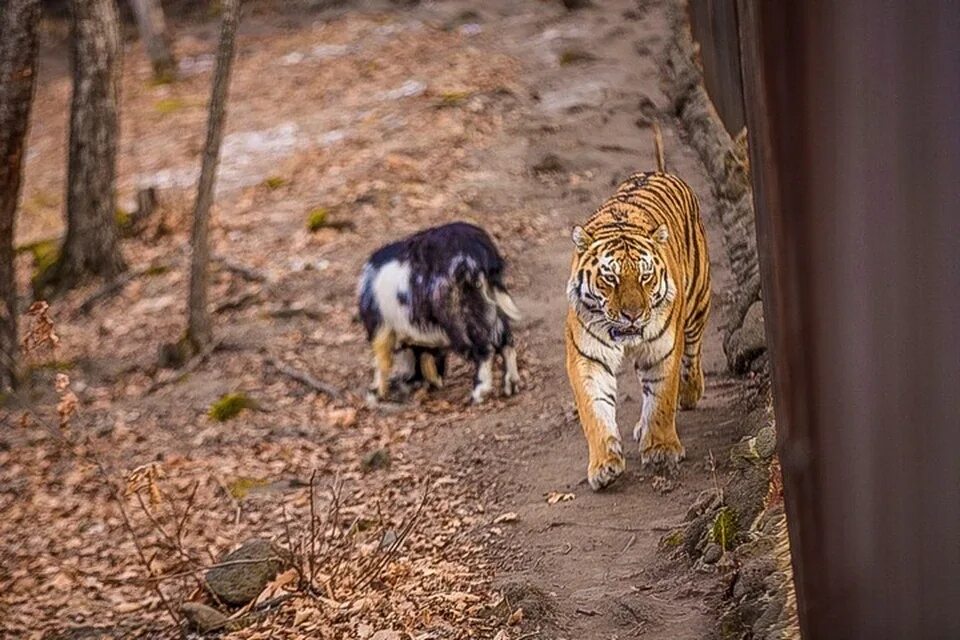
pixel 153 33
pixel 18 67
pixel 92 246
pixel 199 333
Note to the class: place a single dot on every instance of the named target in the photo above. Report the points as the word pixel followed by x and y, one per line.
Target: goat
pixel 439 290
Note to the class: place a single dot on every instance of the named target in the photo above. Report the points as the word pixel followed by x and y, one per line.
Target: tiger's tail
pixel 658 147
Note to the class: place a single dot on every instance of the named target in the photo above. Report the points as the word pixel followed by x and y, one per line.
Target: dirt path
pixel 591 563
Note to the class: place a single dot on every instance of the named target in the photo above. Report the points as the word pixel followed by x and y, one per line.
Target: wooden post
pixel 199 332
pixel 855 153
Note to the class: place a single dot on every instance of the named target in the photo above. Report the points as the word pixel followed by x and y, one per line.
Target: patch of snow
pixel 331 137
pixel 470 29
pixel 292 58
pixel 191 66
pixel 409 89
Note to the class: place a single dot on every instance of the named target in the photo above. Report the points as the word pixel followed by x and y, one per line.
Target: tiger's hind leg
pixel 691 368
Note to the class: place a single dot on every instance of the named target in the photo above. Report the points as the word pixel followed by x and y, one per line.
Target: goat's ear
pixel 661 234
pixel 581 239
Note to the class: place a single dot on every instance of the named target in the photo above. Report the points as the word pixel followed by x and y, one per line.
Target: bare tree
pixel 18 72
pixel 153 33
pixel 92 243
pixel 199 333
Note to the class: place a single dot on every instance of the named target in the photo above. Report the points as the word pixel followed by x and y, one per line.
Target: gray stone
pixel 766 442
pixel 747 342
pixel 712 553
pixel 202 617
pixel 376 459
pixel 257 563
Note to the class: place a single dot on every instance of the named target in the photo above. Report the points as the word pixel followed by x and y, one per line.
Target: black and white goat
pixel 439 290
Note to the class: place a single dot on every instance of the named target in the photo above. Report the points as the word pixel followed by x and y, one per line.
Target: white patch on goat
pixel 484 380
pixel 391 282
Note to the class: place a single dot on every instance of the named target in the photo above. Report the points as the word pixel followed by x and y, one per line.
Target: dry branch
pixel 303 378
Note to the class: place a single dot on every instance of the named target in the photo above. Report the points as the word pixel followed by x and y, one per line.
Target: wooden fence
pixel 852 110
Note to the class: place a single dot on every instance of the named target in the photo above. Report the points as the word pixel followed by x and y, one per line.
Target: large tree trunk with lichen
pixel 18 72
pixel 153 32
pixel 92 243
pixel 199 332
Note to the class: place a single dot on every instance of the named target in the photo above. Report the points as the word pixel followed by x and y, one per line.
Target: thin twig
pixel 245 272
pixel 114 287
pixel 311 556
pixel 303 378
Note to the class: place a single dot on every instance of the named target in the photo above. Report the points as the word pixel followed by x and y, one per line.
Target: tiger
pixel 639 289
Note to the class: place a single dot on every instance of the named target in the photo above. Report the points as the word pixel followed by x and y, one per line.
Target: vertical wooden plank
pixel 713 24
pixel 855 153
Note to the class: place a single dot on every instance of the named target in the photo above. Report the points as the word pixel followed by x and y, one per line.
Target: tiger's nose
pixel 631 316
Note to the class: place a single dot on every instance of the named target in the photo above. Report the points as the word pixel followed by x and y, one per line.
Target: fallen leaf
pixel 555 496
pixel 516 617
pixel 509 516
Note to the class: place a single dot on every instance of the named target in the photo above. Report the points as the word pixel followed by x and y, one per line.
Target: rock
pixel 376 459
pixel 388 540
pixel 766 442
pixel 551 163
pixel 386 635
pixel 238 584
pixel 712 553
pixel 202 617
pixel 747 342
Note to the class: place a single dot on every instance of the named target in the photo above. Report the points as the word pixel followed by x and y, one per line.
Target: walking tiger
pixel 639 290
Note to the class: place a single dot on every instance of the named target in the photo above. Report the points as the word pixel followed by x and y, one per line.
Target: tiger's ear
pixel 661 234
pixel 581 238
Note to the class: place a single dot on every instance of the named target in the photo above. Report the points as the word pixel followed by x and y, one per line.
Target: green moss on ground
pixel 317 218
pixel 275 182
pixel 229 406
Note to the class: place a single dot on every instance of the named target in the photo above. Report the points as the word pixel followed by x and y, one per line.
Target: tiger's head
pixel 621 282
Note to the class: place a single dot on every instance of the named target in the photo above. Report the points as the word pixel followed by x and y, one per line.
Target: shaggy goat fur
pixel 440 289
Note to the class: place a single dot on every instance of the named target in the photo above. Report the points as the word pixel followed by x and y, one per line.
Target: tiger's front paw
pixel 602 472
pixel 663 457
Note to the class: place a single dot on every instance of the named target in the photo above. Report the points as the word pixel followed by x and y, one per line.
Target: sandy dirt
pixel 391 121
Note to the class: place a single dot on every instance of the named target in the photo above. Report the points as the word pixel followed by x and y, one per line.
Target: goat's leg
pixel 430 370
pixel 483 379
pixel 511 376
pixel 383 343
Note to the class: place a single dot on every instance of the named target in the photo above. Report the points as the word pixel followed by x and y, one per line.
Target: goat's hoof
pixel 511 386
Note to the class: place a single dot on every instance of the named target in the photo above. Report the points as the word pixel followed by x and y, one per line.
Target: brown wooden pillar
pixel 853 109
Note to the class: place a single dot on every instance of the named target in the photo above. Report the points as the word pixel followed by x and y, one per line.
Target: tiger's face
pixel 621 283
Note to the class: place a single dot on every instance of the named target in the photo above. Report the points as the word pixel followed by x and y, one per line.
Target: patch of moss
pixel 575 56
pixel 453 98
pixel 122 217
pixel 671 540
pixel 229 406
pixel 317 218
pixel 156 270
pixel 167 106
pixel 724 528
pixel 275 182
pixel 45 254
pixel 240 487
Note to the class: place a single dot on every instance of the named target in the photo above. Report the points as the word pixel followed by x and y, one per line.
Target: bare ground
pixel 390 121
